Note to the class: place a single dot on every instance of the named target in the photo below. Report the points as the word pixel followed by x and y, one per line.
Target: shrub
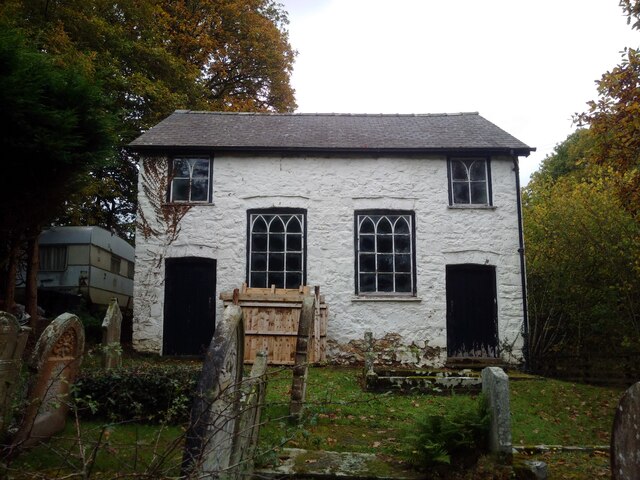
pixel 457 437
pixel 144 392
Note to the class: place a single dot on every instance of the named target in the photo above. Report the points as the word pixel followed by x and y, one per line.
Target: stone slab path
pixel 302 464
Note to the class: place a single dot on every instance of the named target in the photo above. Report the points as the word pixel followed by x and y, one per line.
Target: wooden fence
pixel 271 319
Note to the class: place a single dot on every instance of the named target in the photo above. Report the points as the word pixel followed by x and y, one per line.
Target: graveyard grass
pixel 339 416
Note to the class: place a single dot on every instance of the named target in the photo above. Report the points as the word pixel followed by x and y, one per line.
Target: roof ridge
pixel 326 114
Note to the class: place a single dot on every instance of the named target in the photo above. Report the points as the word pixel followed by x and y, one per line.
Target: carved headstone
pixel 215 412
pixel 625 437
pixel 13 339
pixel 495 386
pixel 111 351
pixel 55 363
pixel 301 367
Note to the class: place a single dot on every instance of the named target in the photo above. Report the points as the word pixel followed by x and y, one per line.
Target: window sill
pixel 188 204
pixel 471 207
pixel 390 298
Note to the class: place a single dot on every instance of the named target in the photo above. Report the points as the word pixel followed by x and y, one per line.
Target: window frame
pixel 488 183
pixel 412 231
pixel 276 211
pixel 171 178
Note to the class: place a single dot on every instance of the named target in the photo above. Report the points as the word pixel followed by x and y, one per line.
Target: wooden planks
pixel 271 318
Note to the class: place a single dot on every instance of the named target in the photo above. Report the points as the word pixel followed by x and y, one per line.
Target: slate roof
pixel 218 131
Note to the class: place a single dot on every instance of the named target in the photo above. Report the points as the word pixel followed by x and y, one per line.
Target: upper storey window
pixel 190 180
pixel 469 181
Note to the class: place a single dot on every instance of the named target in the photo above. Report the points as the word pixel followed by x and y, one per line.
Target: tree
pixel 583 257
pixel 54 129
pixel 614 120
pixel 155 56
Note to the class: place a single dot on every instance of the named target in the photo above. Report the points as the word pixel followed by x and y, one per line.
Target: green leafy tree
pixel 583 258
pixel 155 56
pixel 54 129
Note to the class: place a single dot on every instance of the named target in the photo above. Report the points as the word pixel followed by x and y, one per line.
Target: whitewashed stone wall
pixel 330 189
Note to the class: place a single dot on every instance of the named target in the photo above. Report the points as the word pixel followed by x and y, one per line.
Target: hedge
pixel 147 392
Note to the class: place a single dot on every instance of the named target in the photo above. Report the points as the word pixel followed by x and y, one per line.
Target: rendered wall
pixel 330 189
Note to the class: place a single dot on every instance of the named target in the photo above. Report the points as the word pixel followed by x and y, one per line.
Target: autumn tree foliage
pixel 152 57
pixel 582 226
pixel 148 58
pixel 583 259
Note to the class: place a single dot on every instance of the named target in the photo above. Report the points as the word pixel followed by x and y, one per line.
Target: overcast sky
pixel 526 66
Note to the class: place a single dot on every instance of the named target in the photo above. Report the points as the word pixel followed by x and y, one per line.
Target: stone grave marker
pixel 301 367
pixel 55 363
pixel 254 390
pixel 495 386
pixel 625 436
pixel 111 350
pixel 13 339
pixel 216 405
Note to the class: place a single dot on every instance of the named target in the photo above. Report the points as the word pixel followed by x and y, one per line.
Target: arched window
pixel 276 248
pixel 385 252
pixel 469 181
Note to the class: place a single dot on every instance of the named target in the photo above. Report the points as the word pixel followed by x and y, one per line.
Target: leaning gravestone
pixel 111 351
pixel 495 387
pixel 215 411
pixel 13 339
pixel 55 363
pixel 625 437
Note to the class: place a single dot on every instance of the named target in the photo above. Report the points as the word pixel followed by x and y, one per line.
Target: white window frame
pixel 173 178
pixel 468 162
pixel 376 217
pixel 269 216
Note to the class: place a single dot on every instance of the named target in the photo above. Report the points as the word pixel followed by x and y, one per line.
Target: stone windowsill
pixel 384 298
pixel 471 207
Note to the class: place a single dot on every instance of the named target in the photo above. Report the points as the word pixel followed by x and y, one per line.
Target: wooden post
pixel 316 325
pixel 301 368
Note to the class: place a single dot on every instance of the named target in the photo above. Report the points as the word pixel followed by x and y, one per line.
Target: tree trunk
pixel 12 271
pixel 31 294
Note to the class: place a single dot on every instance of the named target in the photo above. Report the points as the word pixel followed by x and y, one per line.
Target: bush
pixel 458 437
pixel 146 392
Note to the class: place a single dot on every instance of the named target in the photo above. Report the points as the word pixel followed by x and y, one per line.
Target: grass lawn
pixel 341 417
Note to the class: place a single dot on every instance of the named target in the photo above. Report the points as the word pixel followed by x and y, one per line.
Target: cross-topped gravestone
pixel 55 363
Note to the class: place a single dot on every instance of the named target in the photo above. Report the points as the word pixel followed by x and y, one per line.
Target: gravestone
pixel 13 339
pixel 495 387
pixel 55 363
pixel 216 405
pixel 254 390
pixel 111 350
pixel 301 367
pixel 625 437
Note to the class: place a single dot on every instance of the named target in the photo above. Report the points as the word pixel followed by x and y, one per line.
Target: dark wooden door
pixel 472 313
pixel 189 305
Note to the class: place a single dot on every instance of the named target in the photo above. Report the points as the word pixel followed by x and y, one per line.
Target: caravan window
pixel 53 258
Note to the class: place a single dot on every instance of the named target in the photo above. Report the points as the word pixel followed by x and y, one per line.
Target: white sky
pixel 526 66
